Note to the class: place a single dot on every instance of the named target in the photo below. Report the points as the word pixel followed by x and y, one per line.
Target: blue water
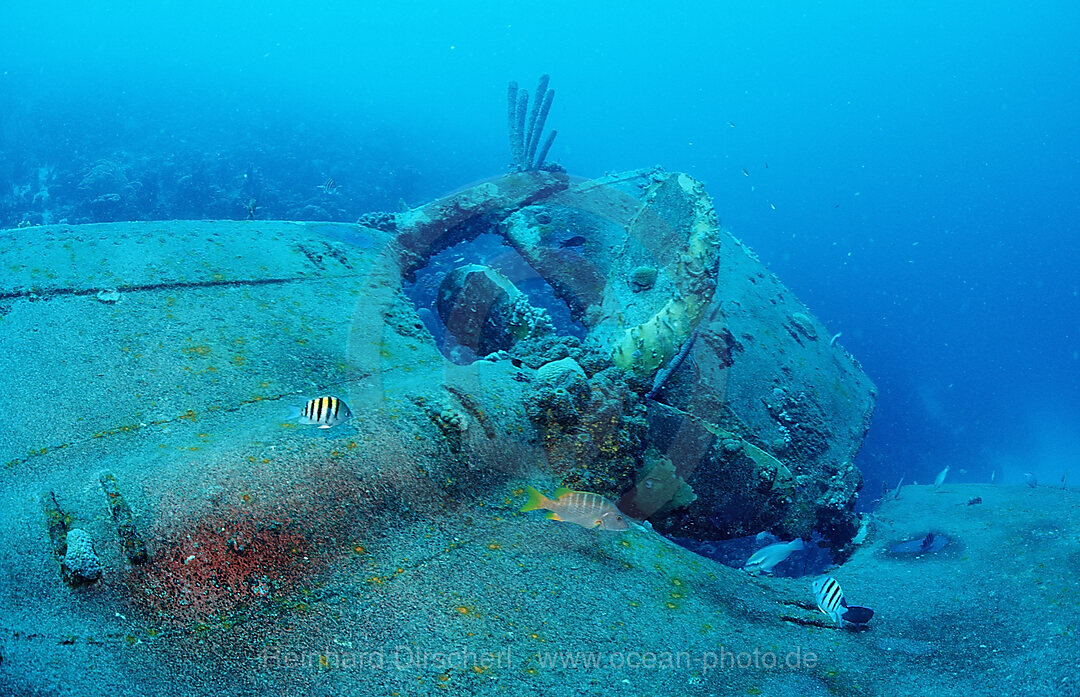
pixel 911 170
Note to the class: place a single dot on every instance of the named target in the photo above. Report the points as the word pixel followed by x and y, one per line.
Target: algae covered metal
pixel 698 395
pixel 703 396
pixel 757 430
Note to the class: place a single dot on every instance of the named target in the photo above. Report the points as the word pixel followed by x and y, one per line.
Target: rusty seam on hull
pixel 48 293
pixel 36 452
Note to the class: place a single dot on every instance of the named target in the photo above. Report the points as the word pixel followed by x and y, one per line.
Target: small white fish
pixel 1031 480
pixel 766 558
pixel 993 476
pixel 941 477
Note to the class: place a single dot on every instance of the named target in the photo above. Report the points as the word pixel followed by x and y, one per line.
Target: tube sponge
pixel 538 126
pixel 511 121
pixel 544 149
pixel 526 128
pixel 539 98
pixel 519 126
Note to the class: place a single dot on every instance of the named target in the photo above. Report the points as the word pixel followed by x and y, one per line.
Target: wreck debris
pixel 804 325
pixel 589 433
pixel 131 544
pixel 453 425
pixel 632 224
pixel 57 522
pixel 665 373
pixel 79 564
pixel 645 347
pixel 108 296
pixel 564 372
pixel 428 229
pixel 773 469
pixel 474 410
pixel 379 220
pixel 643 278
pixel 561 394
pixel 660 488
pixel 483 310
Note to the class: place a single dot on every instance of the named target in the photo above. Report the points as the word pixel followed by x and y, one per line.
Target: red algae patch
pixel 253 545
pixel 225 564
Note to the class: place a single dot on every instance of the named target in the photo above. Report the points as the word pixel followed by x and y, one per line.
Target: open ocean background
pixel 911 169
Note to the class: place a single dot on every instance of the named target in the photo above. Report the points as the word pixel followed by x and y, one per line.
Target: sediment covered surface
pixel 359 559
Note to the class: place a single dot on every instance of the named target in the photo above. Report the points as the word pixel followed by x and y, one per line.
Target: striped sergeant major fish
pixel 830 600
pixel 582 508
pixel 330 187
pixel 327 412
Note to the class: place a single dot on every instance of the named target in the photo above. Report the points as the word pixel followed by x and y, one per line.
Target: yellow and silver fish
pixel 582 508
pixel 327 412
